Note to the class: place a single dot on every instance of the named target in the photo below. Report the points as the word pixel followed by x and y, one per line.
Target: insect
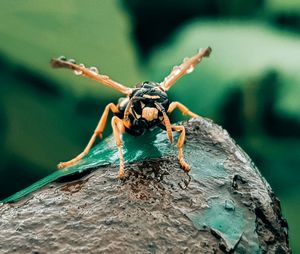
pixel 144 107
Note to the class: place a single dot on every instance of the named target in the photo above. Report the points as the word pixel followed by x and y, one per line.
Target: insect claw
pixel 185 166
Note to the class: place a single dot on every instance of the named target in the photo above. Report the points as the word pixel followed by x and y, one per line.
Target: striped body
pixel 144 112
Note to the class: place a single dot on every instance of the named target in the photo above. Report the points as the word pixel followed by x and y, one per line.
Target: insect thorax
pixel 148 101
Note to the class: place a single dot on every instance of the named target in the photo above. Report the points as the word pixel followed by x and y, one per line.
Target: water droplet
pixel 229 205
pixel 72 61
pixel 190 69
pixel 79 72
pixel 62 58
pixel 105 76
pixel 200 50
pixel 94 69
pixel 185 59
pixel 176 69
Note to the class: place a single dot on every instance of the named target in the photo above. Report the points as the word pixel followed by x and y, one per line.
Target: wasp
pixel 145 106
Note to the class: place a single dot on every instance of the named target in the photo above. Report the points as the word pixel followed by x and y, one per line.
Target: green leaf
pixel 95 33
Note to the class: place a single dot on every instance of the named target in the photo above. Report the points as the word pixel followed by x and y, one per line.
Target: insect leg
pixel 180 144
pixel 182 108
pixel 98 132
pixel 102 123
pixel 118 129
pixel 166 121
pixel 79 156
pixel 126 120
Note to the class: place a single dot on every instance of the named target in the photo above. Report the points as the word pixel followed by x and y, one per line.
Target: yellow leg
pixel 102 123
pixel 118 129
pixel 182 108
pixel 166 121
pixel 179 128
pixel 98 131
pixel 180 144
pixel 168 127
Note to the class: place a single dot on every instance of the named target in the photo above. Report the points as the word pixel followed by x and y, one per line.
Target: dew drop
pixel 176 70
pixel 185 59
pixel 190 69
pixel 62 58
pixel 94 69
pixel 72 61
pixel 79 72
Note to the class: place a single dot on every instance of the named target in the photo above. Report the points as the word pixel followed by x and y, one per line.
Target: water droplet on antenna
pixel 72 61
pixel 79 72
pixel 185 59
pixel 94 69
pixel 176 69
pixel 190 69
pixel 62 58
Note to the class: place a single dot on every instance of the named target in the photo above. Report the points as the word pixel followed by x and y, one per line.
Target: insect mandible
pixel 144 107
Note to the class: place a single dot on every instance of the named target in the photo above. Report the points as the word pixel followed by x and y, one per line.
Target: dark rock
pixel 222 205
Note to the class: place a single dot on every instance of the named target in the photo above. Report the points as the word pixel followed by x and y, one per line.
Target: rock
pixel 223 205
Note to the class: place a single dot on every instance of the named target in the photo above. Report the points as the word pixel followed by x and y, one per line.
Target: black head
pixel 148 101
pixel 149 94
pixel 147 84
pixel 149 91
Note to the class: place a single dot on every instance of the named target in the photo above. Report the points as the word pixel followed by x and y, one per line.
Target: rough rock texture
pixel 222 206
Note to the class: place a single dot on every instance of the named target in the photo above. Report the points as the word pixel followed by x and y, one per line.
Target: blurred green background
pixel 250 84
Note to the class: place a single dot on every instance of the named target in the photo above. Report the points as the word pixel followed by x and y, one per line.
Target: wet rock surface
pixel 222 206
